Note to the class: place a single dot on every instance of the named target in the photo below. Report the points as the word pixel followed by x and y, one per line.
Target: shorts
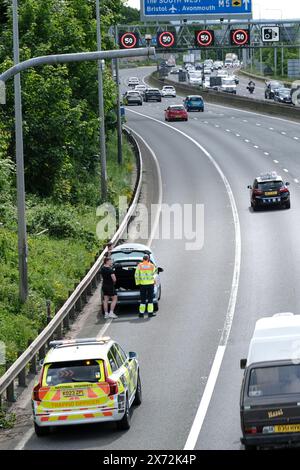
pixel 109 291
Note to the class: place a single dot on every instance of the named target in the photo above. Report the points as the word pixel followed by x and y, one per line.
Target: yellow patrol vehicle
pixel 84 381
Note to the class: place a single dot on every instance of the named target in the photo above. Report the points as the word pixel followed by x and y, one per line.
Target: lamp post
pixel 22 236
pixel 101 111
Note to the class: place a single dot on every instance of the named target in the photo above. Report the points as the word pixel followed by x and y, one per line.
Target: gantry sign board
pixel 160 10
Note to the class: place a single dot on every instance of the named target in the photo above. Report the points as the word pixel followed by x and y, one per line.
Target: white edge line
pixel 160 187
pixel 209 388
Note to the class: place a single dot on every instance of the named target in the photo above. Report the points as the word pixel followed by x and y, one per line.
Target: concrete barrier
pixel 232 101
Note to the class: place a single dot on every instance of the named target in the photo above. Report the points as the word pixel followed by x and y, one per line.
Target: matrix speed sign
pixel 204 38
pixel 240 37
pixel 166 39
pixel 128 40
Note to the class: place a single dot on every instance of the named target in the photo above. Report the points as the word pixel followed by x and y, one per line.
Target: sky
pixel 262 9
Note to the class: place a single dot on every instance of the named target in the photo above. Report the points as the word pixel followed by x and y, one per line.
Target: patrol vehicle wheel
pixel 288 205
pixel 124 424
pixel 138 393
pixel 155 307
pixel 41 431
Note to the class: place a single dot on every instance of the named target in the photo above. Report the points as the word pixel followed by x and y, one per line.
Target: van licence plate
pixel 287 428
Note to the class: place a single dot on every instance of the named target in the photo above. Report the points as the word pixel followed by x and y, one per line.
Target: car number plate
pixel 287 428
pixel 271 193
pixel 73 393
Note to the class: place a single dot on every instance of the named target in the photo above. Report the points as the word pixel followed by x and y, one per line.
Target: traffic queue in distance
pixel 139 93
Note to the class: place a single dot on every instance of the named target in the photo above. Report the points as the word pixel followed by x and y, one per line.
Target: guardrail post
pixel 48 306
pixel 10 391
pixel 32 365
pixel 42 352
pixel 22 375
pixel 66 322
pixel 58 332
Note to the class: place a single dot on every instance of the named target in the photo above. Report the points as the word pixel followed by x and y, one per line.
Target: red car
pixel 176 112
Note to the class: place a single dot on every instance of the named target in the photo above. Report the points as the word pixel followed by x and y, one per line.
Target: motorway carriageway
pixel 249 267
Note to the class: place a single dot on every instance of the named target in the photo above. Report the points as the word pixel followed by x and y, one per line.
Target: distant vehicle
pixel 230 59
pixel 199 66
pixel 271 87
pixel 133 97
pixel 207 71
pixel 133 81
pixel 195 78
pixel 175 71
pixel 222 73
pixel 141 89
pixel 194 103
pixel 218 64
pixel 270 391
pixel 176 112
pixel 168 90
pixel 125 258
pixel 228 85
pixel 88 380
pixel 283 95
pixel 152 94
pixel 269 190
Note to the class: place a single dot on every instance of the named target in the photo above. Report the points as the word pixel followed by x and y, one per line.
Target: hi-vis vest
pixel 144 273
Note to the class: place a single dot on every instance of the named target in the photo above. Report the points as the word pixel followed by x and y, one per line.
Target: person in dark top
pixel 108 288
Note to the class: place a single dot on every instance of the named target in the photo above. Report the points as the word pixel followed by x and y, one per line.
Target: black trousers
pixel 147 293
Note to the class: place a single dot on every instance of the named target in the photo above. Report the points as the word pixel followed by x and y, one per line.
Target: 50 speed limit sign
pixel 204 38
pixel 240 37
pixel 166 39
pixel 128 40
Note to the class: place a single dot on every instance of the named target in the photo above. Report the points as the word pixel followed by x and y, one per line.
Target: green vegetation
pixel 61 148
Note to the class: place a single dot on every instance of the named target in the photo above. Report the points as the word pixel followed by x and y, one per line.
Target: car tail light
pixel 284 190
pixel 252 430
pixel 113 386
pixel 258 192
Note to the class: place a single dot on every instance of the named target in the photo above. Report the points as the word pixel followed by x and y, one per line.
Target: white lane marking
pixel 217 125
pixel 214 373
pixel 275 161
pixel 247 141
pixel 296 180
pixel 258 124
pixel 228 130
pixel 296 138
pixel 256 146
pixel 285 170
pixel 104 328
pixel 160 188
pixel 24 440
pixel 266 153
pixel 271 128
pixel 238 135
pixel 256 114
pixel 283 133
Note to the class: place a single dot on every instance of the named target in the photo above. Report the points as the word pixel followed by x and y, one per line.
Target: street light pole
pixel 22 238
pixel 101 112
pixel 119 119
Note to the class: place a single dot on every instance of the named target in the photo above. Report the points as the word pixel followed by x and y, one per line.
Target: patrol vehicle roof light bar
pixel 82 341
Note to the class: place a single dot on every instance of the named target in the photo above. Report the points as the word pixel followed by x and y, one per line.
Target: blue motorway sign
pixel 160 10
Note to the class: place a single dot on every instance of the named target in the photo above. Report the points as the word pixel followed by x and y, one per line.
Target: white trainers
pixel 112 315
pixel 106 316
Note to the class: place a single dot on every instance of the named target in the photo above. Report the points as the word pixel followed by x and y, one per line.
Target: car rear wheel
pixel 41 431
pixel 288 205
pixel 124 424
pixel 138 393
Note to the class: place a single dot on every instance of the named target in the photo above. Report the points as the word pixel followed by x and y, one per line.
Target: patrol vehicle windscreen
pixel 270 185
pixel 271 381
pixel 73 371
